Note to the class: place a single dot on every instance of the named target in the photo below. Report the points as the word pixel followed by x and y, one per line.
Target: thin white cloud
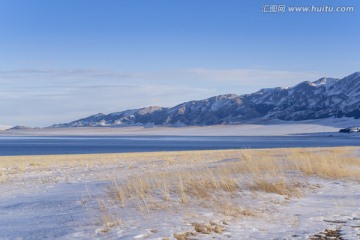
pixel 253 76
pixel 41 97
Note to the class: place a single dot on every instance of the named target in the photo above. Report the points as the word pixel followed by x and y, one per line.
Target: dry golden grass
pixel 216 188
pixel 334 164
pixel 182 187
pixel 200 228
pixel 267 173
pixel 184 236
pixel 196 179
pixel 267 168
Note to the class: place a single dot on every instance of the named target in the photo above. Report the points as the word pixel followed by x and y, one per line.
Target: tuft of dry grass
pixel 278 186
pixel 267 174
pixel 227 207
pixel 330 165
pixel 180 186
pixel 184 236
pixel 202 228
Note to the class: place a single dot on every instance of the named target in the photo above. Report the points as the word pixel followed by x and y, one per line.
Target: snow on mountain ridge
pixel 327 82
pixel 323 98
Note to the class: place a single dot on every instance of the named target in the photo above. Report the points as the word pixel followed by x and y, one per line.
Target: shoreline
pixel 210 131
pixel 248 128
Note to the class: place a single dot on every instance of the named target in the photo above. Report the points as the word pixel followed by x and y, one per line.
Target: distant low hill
pixel 20 128
pixel 324 98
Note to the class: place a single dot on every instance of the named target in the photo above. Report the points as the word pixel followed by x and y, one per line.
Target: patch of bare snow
pixel 335 205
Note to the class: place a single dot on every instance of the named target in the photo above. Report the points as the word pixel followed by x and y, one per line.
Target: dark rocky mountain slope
pixel 326 97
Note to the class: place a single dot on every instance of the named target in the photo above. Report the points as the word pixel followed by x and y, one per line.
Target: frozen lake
pixel 10 146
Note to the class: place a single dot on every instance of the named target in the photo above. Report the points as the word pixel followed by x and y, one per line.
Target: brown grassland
pixel 215 180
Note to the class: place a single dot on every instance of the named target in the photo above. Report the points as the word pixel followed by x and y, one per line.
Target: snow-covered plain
pixel 65 197
pixel 249 128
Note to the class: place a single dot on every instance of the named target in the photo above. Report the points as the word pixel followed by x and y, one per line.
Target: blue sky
pixel 66 59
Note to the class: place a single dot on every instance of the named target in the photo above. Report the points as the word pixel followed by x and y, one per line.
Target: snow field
pixel 236 194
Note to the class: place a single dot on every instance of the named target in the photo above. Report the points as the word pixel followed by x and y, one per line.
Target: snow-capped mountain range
pixel 326 97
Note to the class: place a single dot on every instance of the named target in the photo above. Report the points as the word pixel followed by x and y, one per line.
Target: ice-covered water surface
pixel 10 146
